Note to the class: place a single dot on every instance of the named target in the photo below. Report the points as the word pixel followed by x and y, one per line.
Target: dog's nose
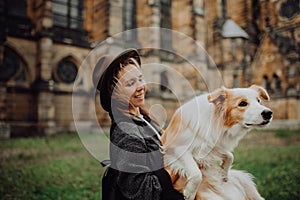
pixel 266 114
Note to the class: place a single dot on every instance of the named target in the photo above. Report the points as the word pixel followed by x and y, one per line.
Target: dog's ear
pixel 261 91
pixel 217 96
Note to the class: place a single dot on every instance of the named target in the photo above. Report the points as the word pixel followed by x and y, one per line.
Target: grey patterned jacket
pixel 136 170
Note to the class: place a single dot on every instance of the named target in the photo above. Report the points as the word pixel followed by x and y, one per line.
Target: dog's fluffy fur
pixel 205 131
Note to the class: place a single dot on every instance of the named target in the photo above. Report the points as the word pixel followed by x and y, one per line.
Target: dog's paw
pixel 189 196
pixel 190 191
pixel 224 176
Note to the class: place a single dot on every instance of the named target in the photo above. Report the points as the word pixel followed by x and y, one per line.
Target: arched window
pixel 266 83
pixel 65 71
pixel 276 84
pixel 235 81
pixel 12 67
pixel 164 82
pixel 289 9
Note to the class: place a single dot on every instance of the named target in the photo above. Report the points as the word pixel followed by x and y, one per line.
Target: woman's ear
pixel 261 91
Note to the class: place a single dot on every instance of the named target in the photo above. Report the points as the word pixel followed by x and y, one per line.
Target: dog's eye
pixel 243 104
pixel 258 100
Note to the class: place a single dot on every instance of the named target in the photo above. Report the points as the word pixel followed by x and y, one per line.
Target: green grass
pixel 48 168
pixel 286 134
pixel 61 168
pixel 274 161
pixel 275 168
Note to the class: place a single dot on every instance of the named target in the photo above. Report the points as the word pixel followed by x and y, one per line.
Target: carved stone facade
pixel 44 42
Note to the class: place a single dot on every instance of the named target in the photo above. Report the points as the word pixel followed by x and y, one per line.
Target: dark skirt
pixel 110 190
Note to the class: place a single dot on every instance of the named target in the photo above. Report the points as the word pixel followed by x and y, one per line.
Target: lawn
pixel 56 167
pixel 59 167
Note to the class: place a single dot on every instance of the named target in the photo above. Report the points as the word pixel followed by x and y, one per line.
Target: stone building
pixel 45 42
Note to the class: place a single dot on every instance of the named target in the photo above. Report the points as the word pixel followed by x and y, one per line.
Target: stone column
pixel 44 83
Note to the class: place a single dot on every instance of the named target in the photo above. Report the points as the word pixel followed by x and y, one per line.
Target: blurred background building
pixel 44 42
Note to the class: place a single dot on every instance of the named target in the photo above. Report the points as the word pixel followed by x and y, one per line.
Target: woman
pixel 136 170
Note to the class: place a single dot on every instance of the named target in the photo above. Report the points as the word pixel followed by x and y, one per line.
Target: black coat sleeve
pixel 128 150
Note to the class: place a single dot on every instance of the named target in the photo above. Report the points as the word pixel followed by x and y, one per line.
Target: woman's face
pixel 131 86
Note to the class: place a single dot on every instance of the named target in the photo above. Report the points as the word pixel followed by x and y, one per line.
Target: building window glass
pixel 68 13
pixel 164 82
pixel 166 36
pixel 14 20
pixel 224 11
pixel 266 83
pixel 276 85
pixel 130 19
pixel 235 81
pixel 16 8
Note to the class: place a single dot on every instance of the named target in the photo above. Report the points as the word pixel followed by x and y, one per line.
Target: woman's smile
pixel 140 96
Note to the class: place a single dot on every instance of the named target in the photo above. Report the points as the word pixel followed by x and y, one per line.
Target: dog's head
pixel 241 106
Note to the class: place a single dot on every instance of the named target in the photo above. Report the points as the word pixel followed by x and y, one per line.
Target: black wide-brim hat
pixel 105 70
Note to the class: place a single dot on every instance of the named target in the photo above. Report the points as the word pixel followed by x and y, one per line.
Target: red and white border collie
pixel 201 136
